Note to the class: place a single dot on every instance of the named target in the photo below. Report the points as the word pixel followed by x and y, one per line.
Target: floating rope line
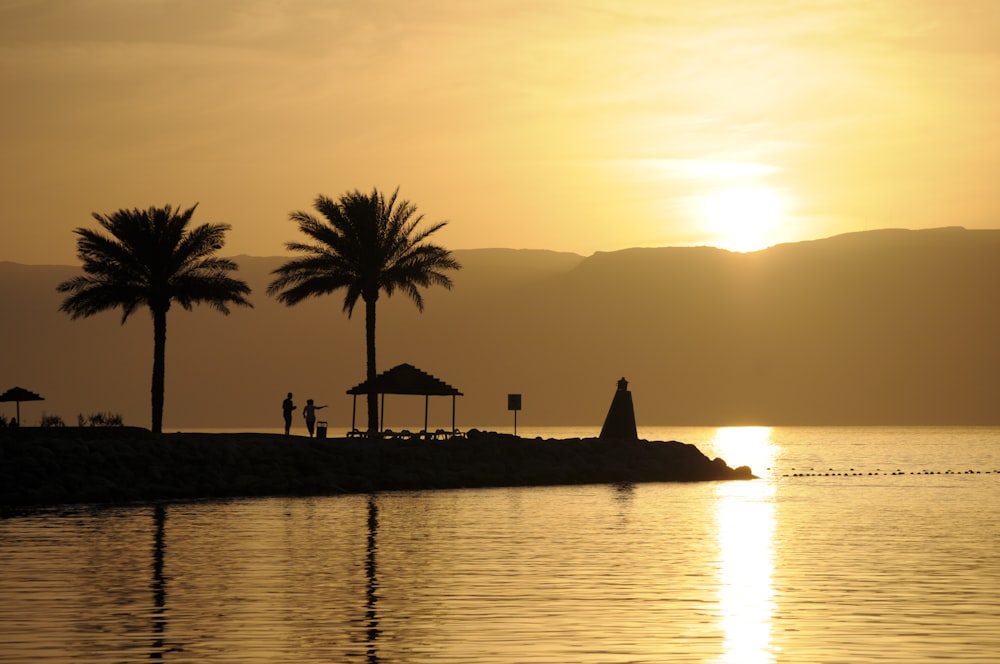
pixel 852 473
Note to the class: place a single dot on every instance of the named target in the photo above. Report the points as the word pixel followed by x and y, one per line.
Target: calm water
pixel 856 545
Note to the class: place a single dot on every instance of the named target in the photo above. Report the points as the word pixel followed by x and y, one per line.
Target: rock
pixel 46 468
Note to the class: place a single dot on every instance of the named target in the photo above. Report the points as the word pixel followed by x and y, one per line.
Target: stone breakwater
pixel 59 466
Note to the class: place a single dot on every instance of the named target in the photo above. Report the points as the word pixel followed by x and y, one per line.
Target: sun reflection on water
pixel 744 446
pixel 746 523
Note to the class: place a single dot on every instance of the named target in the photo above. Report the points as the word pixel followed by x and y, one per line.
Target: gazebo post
pixel 354 413
pixel 381 420
pixel 453 414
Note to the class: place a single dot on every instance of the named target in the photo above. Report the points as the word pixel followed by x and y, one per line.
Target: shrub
pixel 100 420
pixel 52 420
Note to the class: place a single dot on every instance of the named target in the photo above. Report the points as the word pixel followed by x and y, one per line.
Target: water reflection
pixel 371 577
pixel 744 446
pixel 159 585
pixel 722 572
pixel 746 523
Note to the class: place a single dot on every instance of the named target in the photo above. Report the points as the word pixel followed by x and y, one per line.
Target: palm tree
pixel 367 244
pixel 151 258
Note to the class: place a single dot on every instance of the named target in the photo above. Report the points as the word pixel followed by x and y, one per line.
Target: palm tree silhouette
pixel 150 258
pixel 367 244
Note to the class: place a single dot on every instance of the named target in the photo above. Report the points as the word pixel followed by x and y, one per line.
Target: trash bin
pixel 321 429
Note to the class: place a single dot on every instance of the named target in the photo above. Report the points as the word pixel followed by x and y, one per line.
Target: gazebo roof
pixel 20 394
pixel 406 379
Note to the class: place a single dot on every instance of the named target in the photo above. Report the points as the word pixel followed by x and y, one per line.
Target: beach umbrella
pixel 17 395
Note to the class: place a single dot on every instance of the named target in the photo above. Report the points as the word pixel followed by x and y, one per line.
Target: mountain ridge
pixel 891 326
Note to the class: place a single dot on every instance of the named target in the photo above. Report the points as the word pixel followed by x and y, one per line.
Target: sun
pixel 742 218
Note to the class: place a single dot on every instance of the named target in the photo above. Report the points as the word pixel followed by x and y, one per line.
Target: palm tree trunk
pixel 370 352
pixel 159 367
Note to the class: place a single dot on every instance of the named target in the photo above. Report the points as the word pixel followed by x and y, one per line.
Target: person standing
pixel 287 406
pixel 309 412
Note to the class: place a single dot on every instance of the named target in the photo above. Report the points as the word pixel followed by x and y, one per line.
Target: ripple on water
pixel 777 570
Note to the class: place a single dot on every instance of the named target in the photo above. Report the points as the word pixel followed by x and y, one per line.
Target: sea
pixel 854 544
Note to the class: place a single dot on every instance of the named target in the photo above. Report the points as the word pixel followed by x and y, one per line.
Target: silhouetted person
pixel 286 408
pixel 309 412
pixel 13 423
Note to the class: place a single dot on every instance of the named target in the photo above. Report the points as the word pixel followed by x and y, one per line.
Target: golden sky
pixel 566 125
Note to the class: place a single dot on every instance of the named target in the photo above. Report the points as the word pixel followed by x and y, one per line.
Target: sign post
pixel 514 404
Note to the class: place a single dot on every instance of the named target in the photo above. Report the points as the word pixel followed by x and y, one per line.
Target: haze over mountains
pixel 881 327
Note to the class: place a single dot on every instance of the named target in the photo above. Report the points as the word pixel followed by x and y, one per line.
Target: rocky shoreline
pixel 70 465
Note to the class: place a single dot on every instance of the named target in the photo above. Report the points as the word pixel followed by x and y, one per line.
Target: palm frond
pixel 363 243
pixel 148 257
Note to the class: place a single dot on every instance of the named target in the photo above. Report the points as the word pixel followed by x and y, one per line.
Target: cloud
pixel 675 169
pixel 251 102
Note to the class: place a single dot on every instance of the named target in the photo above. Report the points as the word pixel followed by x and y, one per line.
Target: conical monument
pixel 620 422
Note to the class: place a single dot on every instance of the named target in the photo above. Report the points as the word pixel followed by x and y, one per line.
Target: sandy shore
pixel 111 465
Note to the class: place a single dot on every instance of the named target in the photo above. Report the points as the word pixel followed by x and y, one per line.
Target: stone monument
pixel 620 422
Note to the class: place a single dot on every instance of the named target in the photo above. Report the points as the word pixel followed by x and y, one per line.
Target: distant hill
pixel 880 327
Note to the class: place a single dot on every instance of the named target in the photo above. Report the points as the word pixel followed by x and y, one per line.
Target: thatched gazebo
pixel 17 395
pixel 404 379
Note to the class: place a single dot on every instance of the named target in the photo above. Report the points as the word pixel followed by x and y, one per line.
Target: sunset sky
pixel 559 125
